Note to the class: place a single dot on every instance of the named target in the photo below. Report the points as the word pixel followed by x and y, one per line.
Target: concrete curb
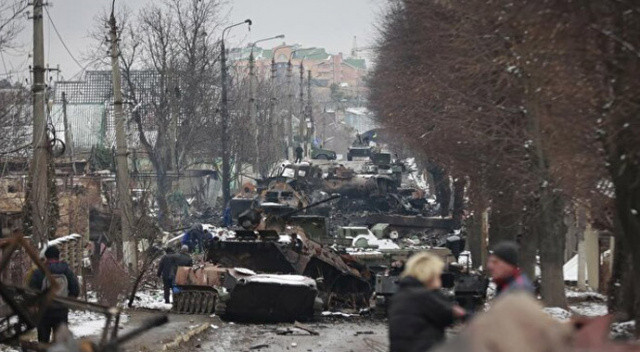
pixel 185 337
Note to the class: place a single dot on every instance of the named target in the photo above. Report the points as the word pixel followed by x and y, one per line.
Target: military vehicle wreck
pixel 242 295
pixel 281 243
pixel 379 250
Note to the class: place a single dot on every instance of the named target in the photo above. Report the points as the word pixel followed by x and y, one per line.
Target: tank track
pixel 195 302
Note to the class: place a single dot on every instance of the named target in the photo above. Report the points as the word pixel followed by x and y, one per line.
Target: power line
pixel 61 40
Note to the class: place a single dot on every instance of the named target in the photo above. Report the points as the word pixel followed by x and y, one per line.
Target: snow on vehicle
pixel 242 295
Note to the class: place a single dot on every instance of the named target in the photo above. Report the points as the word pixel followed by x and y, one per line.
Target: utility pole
pixel 224 138
pixel 309 117
pixel 253 109
pixel 68 135
pixel 301 126
pixel 291 107
pixel 122 164
pixel 39 192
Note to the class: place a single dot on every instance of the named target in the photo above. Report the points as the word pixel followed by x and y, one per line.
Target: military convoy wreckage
pixel 294 263
pixel 305 276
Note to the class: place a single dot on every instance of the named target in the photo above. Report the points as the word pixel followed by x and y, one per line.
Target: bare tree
pixel 168 59
pixel 10 21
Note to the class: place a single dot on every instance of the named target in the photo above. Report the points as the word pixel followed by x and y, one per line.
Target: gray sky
pixel 323 23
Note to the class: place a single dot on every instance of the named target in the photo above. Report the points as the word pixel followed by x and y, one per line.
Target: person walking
pixel 505 272
pixel 299 152
pixel 419 313
pixel 167 272
pixel 55 314
pixel 183 258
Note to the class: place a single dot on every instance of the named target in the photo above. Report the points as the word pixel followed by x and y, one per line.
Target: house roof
pixel 311 54
pixel 357 63
pixel 90 106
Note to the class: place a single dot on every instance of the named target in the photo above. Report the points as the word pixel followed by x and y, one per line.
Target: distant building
pixel 90 109
pixel 326 69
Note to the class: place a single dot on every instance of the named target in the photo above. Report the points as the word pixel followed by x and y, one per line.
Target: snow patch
pixel 585 295
pixel 5 348
pixel 84 323
pixel 371 241
pixel 623 329
pixel 286 280
pixel 590 309
pixel 245 271
pixel 558 313
pixel 339 314
pixel 151 299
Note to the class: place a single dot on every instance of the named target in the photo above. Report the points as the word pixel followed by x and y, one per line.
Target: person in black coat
pixel 168 268
pixel 167 272
pixel 419 313
pixel 55 314
pixel 299 152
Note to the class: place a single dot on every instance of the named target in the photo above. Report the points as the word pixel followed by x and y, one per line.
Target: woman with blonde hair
pixel 419 313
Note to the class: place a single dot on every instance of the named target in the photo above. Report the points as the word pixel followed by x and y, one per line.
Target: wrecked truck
pixel 242 295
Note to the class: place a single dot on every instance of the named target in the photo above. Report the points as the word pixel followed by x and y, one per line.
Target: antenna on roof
pixel 354 48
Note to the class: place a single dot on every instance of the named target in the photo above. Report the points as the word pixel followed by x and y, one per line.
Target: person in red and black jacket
pixel 504 269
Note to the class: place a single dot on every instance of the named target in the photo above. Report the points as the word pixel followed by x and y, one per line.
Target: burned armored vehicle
pixel 282 244
pixel 385 257
pixel 242 295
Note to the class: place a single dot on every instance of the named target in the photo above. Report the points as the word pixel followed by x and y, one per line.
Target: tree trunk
pixel 627 207
pixel 528 242
pixel 474 238
pixel 442 187
pixel 552 242
pixel 504 221
pixel 458 201
pixel 164 186
pixel 621 288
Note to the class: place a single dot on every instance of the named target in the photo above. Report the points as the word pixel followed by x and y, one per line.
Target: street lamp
pixel 253 45
pixel 224 140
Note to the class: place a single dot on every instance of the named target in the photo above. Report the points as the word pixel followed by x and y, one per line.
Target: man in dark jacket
pixel 183 258
pixel 167 272
pixel 419 313
pixel 299 152
pixel 503 266
pixel 68 286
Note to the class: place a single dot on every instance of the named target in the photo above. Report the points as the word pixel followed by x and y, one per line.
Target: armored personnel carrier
pixel 242 295
pixel 380 254
pixel 282 244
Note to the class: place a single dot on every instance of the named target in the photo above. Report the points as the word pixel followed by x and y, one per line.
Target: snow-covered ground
pixel 623 330
pixel 585 303
pixel 149 299
pixel 339 314
pixel 84 323
pixel 591 304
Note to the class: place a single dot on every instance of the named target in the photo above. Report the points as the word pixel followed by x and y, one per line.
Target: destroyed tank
pixel 242 295
pixel 287 191
pixel 466 287
pixel 280 243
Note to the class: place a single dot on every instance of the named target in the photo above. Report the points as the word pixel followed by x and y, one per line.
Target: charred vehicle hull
pixel 339 284
pixel 242 295
pixel 467 288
